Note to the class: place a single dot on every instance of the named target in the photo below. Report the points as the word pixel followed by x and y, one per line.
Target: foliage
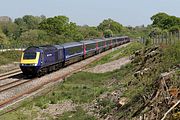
pixel 9 29
pixel 108 33
pixel 155 31
pixel 34 37
pixel 60 25
pixel 28 22
pixel 136 32
pixel 3 39
pixel 174 29
pixel 109 24
pixel 89 32
pixel 165 21
pixel 9 57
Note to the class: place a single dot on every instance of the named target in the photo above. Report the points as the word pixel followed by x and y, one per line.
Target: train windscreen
pixel 28 55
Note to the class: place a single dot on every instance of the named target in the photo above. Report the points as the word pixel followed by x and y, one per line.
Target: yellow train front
pixel 30 62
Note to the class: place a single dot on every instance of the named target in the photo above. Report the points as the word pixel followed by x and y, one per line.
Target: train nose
pixel 30 70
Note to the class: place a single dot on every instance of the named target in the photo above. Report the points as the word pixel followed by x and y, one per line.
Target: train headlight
pixel 29 64
pixel 34 64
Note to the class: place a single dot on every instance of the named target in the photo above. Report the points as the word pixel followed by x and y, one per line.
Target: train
pixel 40 60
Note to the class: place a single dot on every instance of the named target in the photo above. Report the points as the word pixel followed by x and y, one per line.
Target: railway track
pixel 13 81
pixel 44 80
pixel 11 73
pixel 13 84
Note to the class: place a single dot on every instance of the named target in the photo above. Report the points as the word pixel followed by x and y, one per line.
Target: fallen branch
pixel 170 109
pixel 156 93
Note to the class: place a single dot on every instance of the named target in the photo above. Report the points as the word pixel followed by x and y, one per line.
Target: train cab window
pixel 29 55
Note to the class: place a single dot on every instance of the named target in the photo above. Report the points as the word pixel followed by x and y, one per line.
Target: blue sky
pixel 92 12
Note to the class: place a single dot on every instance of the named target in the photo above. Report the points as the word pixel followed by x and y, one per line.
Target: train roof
pixel 122 37
pixel 38 48
pixel 58 46
pixel 71 44
pixel 98 40
pixel 88 41
pixel 109 38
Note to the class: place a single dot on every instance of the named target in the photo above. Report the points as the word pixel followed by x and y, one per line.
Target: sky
pixel 92 12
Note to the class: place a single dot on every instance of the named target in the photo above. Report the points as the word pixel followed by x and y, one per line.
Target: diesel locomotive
pixel 39 60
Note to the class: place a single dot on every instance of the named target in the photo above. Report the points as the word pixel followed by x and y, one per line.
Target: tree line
pixel 40 30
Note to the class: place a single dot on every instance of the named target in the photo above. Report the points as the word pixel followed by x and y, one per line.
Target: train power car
pixel 42 59
pixel 73 52
pixel 89 48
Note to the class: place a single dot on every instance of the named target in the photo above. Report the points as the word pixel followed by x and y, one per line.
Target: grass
pixel 80 88
pixel 9 57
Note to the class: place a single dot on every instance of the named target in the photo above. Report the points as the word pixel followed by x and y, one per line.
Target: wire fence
pixel 164 38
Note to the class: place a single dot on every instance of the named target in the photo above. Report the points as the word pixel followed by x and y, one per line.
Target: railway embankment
pixel 146 88
pixel 155 86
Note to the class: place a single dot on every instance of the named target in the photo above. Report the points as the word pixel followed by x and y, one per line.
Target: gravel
pixel 107 67
pixel 8 67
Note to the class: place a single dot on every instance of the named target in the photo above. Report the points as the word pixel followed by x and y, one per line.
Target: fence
pixel 164 38
pixel 4 48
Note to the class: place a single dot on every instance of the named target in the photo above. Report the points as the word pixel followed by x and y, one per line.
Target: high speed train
pixel 39 60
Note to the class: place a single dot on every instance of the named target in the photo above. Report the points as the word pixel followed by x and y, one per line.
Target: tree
pixel 60 25
pixel 3 39
pixel 108 33
pixel 165 21
pixel 174 29
pixel 22 26
pixel 110 24
pixel 28 22
pixel 158 19
pixel 32 22
pixel 57 25
pixel 89 32
pixel 10 29
pixel 34 37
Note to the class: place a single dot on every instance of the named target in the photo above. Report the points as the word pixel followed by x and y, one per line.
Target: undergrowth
pixel 9 57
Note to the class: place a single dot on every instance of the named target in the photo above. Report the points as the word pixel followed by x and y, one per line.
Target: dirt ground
pixel 107 67
pixel 58 109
